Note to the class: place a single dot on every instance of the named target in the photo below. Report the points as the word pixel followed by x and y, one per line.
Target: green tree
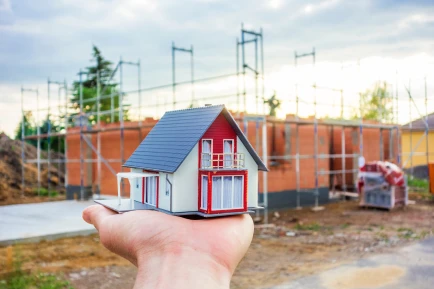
pixel 108 91
pixel 273 103
pixel 29 128
pixel 376 104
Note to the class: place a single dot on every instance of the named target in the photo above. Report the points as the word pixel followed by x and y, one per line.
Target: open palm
pixel 191 251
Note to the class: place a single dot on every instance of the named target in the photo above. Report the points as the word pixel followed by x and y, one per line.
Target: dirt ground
pixel 11 191
pixel 294 244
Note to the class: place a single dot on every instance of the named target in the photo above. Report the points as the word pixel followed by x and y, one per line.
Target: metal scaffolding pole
pixel 411 130
pixel 48 139
pixel 66 131
pixel 427 131
pixel 191 52
pixel 81 119
pixel 398 131
pixel 238 76
pixel 121 120
pixel 243 60
pixel 23 135
pixel 98 134
pixel 315 125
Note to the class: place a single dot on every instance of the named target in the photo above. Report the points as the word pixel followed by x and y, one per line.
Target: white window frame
pixel 210 153
pixel 204 193
pixel 232 194
pixel 232 153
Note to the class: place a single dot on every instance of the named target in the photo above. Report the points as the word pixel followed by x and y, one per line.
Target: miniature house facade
pixel 195 161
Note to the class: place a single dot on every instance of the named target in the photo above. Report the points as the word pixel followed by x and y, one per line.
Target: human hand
pixel 174 252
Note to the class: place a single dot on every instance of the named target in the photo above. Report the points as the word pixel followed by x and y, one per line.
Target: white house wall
pixel 163 199
pixel 252 175
pixel 136 186
pixel 184 186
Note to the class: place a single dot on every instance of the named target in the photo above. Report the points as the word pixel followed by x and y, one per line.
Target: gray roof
pixel 174 136
pixel 419 124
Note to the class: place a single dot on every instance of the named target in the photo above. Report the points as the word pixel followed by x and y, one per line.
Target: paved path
pixel 42 221
pixel 411 267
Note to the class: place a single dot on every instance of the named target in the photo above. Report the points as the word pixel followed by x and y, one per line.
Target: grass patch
pixel 418 183
pixel 345 226
pixel 43 192
pixel 406 233
pixel 20 279
pixel 308 227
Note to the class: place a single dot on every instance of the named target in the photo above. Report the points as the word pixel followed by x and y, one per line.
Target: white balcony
pixel 222 161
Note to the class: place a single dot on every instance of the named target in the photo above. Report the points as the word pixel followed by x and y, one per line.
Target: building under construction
pixel 309 157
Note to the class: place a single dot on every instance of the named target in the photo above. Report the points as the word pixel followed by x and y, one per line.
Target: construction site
pixel 312 139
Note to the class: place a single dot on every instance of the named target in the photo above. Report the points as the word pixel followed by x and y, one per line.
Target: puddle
pixel 363 278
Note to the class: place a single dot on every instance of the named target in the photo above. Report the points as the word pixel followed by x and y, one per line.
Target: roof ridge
pixel 194 108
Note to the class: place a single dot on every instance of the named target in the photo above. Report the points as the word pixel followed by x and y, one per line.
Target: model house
pixel 194 161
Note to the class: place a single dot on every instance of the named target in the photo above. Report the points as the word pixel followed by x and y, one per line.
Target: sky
pixel 357 43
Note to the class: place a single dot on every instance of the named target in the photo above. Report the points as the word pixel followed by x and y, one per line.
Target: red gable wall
pixel 218 131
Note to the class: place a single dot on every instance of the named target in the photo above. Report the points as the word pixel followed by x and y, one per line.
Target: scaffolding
pixel 237 96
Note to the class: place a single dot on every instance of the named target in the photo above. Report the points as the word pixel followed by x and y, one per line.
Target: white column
pixel 119 189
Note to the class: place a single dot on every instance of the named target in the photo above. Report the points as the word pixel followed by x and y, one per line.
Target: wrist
pixel 180 266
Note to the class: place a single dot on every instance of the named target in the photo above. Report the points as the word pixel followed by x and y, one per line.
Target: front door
pixel 149 193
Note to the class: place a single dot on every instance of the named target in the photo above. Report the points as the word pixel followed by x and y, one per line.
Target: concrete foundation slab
pixel 43 221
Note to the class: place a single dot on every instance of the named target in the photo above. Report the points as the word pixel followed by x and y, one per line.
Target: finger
pixel 95 214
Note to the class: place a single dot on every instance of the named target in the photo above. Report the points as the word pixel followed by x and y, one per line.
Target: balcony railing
pixel 223 161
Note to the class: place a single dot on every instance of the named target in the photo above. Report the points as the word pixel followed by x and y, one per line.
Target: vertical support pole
pixel 343 159
pixel 381 145
pixel 297 141
pixel 139 88
pixel 81 118
pixel 38 144
pixel 121 118
pixel 427 132
pixel 398 132
pixel 192 76
pixel 173 76
pixel 256 76
pixel 390 157
pixel 23 134
pixel 316 133
pixel 66 134
pixel 238 76
pixel 262 69
pixel 264 174
pixel 243 60
pixel 411 131
pixel 48 140
pixel 58 136
pixel 98 134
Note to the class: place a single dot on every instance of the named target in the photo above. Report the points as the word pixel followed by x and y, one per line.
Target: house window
pixel 206 153
pixel 151 191
pixel 204 193
pixel 228 151
pixel 137 183
pixel 168 186
pixel 227 192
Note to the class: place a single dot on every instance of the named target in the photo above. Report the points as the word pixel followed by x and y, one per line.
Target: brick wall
pixel 281 141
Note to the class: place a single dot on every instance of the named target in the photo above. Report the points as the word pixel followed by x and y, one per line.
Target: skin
pixel 174 252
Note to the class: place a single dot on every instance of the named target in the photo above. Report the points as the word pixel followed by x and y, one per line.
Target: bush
pixel 43 192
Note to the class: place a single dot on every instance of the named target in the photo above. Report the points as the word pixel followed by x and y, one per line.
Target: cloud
pixel 323 5
pixel 5 5
pixel 416 19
